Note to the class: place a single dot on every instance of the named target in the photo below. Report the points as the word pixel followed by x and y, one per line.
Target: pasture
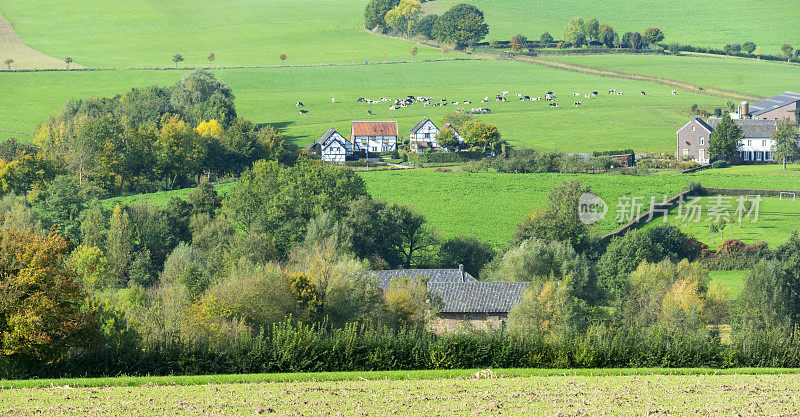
pixel 269 96
pixel 618 395
pixel 744 75
pixel 124 34
pixel 776 220
pixel 732 280
pixel 710 23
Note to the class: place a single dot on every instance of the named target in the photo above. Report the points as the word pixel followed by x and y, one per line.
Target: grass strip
pixel 133 381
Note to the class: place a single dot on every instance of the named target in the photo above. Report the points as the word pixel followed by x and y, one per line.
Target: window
pixel 702 140
pixel 764 143
pixel 749 142
pixel 374 149
pixel 767 156
pixel 692 128
pixel 702 155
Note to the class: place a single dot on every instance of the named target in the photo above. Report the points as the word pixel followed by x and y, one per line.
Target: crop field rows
pixel 24 57
pixel 687 395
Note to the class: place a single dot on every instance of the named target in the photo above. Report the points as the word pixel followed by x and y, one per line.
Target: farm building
pixel 332 147
pixel 782 106
pixel 465 301
pixel 756 144
pixel 422 136
pixel 374 137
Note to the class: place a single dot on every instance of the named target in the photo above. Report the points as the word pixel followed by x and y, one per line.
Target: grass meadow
pixel 619 395
pixel 269 96
pixel 744 75
pixel 732 280
pixel 124 34
pixel 776 221
pixel 711 23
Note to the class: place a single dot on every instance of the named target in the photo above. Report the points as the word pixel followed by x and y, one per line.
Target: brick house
pixel 693 141
pixel 782 106
pixel 465 302
pixel 373 137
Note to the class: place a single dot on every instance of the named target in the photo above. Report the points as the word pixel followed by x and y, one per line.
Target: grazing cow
pixel 576 94
pixel 392 107
pixel 643 93
pixel 674 93
pixel 504 93
pixel 303 111
pixel 553 104
pixel 577 103
pixel 587 96
pixel 333 100
pixel 594 93
pixel 369 112
pixel 298 104
pixel 612 91
pixel 527 97
pixel 550 93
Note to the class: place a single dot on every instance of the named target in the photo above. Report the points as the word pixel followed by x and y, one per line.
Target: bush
pixel 719 164
pixel 449 157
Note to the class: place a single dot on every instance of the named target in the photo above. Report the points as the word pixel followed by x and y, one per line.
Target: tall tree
pixel 725 139
pixel 786 147
pixel 68 60
pixel 41 314
pixel 546 39
pixel 176 59
pixel 592 29
pixel 786 50
pixel 375 12
pixel 462 25
pixel 120 244
pixel 652 35
pixel 403 16
pixel 575 28
pixel 416 237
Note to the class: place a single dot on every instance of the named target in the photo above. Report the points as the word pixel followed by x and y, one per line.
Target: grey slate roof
pixel 418 126
pixel 324 137
pixel 478 297
pixel 774 102
pixel 462 294
pixel 434 275
pixel 751 128
pixel 704 124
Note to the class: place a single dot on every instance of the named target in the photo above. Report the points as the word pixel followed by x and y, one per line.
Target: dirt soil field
pixel 685 395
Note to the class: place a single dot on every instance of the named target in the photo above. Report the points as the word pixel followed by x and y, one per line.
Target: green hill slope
pixel 711 23
pixel 119 33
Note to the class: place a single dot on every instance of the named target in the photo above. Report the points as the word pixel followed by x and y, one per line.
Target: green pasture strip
pixel 747 76
pixel 711 23
pixel 269 96
pixel 160 199
pixel 133 381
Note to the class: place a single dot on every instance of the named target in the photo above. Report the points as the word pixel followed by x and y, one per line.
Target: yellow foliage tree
pixel 210 129
pixel 404 13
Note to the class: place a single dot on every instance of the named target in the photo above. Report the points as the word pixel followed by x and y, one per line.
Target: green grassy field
pixel 121 34
pixel 618 395
pixel 269 95
pixel 745 75
pixel 733 280
pixel 711 23
pixel 776 221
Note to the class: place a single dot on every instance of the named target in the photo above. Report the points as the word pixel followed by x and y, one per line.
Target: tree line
pixel 461 25
pixel 148 139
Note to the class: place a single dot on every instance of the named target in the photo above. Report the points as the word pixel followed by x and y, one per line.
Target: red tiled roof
pixel 374 128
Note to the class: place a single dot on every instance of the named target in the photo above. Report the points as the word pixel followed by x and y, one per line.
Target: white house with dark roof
pixel 756 145
pixel 332 147
pixel 465 301
pixel 757 139
pixel 422 136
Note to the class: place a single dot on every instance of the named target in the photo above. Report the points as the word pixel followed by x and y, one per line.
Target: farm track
pixel 681 85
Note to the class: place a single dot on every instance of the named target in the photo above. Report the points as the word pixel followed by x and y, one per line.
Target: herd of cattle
pixel 399 103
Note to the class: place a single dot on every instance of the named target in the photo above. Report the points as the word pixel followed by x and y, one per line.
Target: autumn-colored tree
pixel 210 129
pixel 30 172
pixel 409 302
pixel 483 134
pixel 414 51
pixel 91 265
pixel 178 151
pixel 120 244
pixel 403 15
pixel 40 299
pixel 518 42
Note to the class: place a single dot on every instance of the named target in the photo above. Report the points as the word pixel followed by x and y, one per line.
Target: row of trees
pixel 148 139
pixel 579 32
pixel 461 25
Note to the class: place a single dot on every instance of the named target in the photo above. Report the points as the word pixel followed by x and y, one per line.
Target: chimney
pixel 461 270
